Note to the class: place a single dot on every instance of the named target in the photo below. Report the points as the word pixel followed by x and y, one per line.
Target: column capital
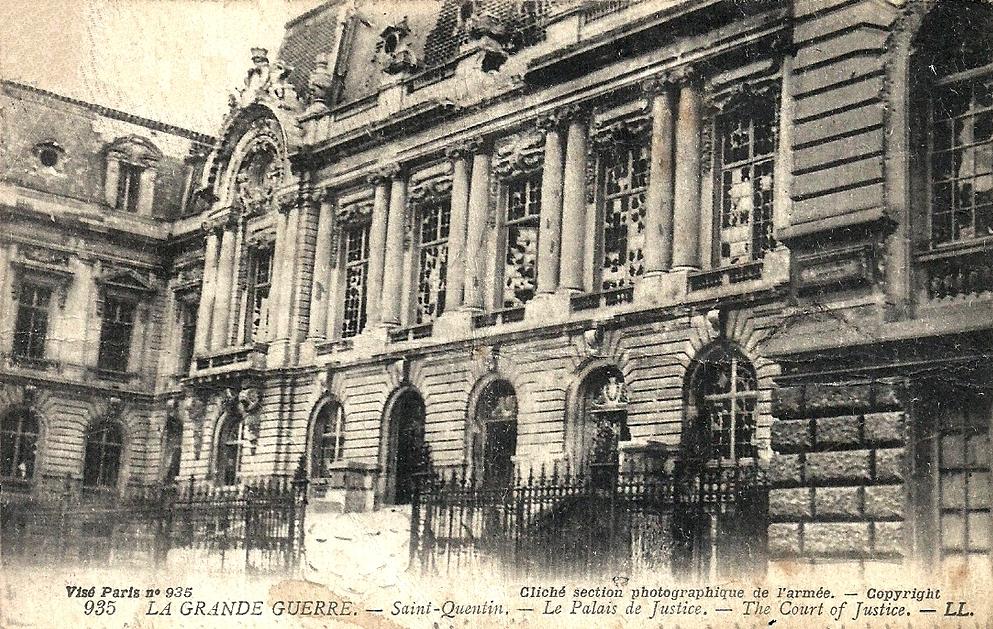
pixel 380 177
pixel 575 112
pixel 462 150
pixel 481 144
pixel 548 121
pixel 390 172
pixel 657 84
pixel 685 76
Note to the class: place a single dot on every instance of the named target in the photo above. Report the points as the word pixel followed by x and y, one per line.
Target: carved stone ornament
pixel 257 181
pixel 266 83
pixel 319 84
pixel 46 256
pixel 435 189
pixel 247 403
pixel 195 408
pixel 522 155
pixel 354 213
pixel 397 57
pixel 621 133
pixel 611 397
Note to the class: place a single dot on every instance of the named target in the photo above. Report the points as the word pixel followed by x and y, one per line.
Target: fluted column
pixel 478 209
pixel 234 309
pixel 393 265
pixel 222 288
pixel 457 229
pixel 659 196
pixel 550 228
pixel 206 306
pixel 686 231
pixel 320 294
pixel 377 245
pixel 573 252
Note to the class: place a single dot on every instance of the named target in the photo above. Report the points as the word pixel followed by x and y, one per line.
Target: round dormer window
pixel 48 156
pixel 391 42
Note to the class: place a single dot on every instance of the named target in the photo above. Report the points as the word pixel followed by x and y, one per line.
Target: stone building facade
pixel 501 234
pixel 90 196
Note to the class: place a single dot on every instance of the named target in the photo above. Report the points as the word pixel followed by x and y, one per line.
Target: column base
pixel 549 306
pixel 776 266
pixel 278 354
pixel 453 324
pixel 308 351
pixel 665 288
pixel 372 339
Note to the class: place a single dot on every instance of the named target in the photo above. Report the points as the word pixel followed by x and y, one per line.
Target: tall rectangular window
pixel 356 239
pixel 128 187
pixel 261 285
pixel 961 160
pixel 434 221
pixel 747 159
pixel 520 274
pixel 625 179
pixel 188 332
pixel 32 321
pixel 115 334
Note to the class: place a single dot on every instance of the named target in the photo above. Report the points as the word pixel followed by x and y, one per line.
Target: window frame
pixel 103 356
pixel 26 285
pixel 532 179
pixel 329 423
pixel 765 97
pixel 441 202
pixel 18 435
pixel 232 423
pixel 346 265
pixel 257 332
pixel 943 83
pixel 98 481
pixel 701 440
pixel 129 176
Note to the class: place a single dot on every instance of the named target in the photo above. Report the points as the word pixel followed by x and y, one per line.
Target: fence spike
pixel 555 472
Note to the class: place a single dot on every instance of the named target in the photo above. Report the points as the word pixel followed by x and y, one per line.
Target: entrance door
pixel 408 444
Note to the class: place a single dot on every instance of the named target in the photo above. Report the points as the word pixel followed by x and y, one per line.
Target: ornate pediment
pixel 127 280
pixel 266 83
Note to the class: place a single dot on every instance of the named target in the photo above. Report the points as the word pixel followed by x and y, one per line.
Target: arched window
pixel 230 442
pixel 327 439
pixel 18 444
pixel 721 407
pixel 406 452
pixel 104 450
pixel 493 434
pixel 602 418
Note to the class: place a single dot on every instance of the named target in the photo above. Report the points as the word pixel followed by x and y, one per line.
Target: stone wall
pixel 838 473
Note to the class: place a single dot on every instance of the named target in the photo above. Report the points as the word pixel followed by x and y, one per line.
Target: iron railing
pixel 593 521
pixel 255 527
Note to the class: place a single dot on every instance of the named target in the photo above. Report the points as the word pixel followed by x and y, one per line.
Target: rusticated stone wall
pixel 837 472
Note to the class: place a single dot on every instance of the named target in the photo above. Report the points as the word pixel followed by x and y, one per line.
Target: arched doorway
pixel 493 435
pixel 405 451
pixel 601 418
pixel 230 442
pixel 718 537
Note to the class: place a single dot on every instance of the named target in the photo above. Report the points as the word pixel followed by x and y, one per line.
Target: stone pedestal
pixel 662 289
pixel 452 325
pixel 349 488
pixel 548 306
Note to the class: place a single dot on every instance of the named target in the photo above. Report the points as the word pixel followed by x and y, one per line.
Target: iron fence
pixel 256 527
pixel 692 520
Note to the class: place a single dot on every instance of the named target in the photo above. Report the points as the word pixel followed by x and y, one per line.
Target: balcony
pixel 725 276
pixel 246 357
pixel 412 333
pixel 960 273
pixel 498 317
pixel 602 299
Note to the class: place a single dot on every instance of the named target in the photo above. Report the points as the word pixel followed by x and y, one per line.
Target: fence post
pixel 298 508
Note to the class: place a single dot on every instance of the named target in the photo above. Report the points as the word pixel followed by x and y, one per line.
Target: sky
pixel 170 60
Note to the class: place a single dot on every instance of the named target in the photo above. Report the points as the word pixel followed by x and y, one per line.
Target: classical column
pixel 478 210
pixel 457 268
pixel 321 292
pixel 377 245
pixel 234 307
pixel 573 253
pixel 550 228
pixel 276 292
pixel 658 197
pixel 287 278
pixel 206 306
pixel 222 287
pixel 686 229
pixel 393 265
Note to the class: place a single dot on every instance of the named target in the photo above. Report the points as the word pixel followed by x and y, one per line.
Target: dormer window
pixel 390 42
pixel 130 180
pixel 48 153
pixel 128 187
pixel 465 12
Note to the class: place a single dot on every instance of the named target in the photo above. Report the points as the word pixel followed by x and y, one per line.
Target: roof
pixel 115 114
